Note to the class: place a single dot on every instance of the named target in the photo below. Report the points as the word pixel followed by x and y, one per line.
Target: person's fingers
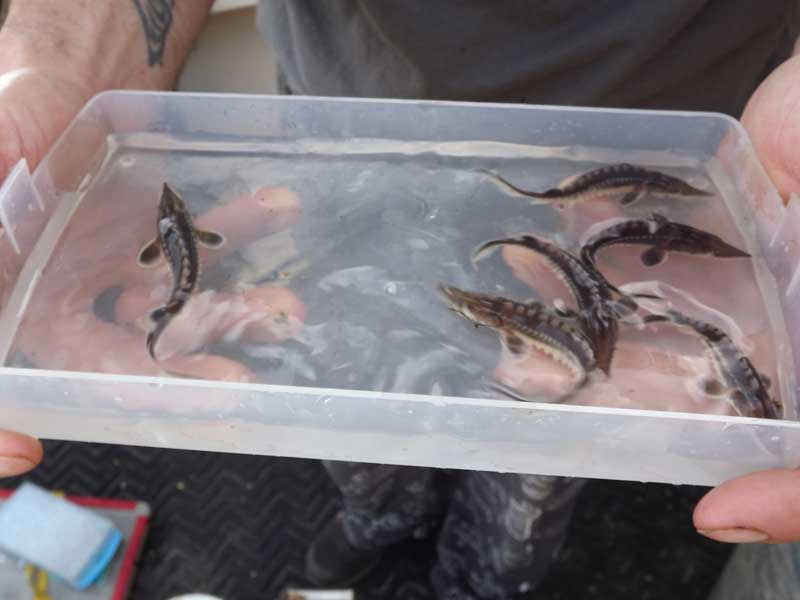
pixel 18 453
pixel 258 315
pixel 198 402
pixel 696 285
pixel 62 345
pixel 65 299
pixel 115 349
pixel 31 122
pixel 240 221
pixel 641 377
pixel 262 314
pixel 209 366
pixel 281 314
pixel 119 228
pixel 754 508
pixel 268 209
pixel 534 375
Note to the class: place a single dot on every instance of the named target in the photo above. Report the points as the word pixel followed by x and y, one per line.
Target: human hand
pixel 37 101
pixel 51 63
pixel 18 453
pixel 762 507
pixel 59 317
pixel 771 120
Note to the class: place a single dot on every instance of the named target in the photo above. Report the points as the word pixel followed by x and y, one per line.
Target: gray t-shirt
pixel 675 54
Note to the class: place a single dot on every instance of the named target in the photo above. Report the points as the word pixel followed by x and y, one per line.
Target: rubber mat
pixel 238 527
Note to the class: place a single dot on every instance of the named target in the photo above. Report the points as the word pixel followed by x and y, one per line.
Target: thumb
pixel 36 105
pixel 770 119
pixel 761 507
pixel 18 453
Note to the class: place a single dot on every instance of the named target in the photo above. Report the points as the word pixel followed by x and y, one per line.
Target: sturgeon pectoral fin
pixel 712 387
pixel 653 256
pixel 150 254
pixel 158 314
pixel 515 344
pixel 560 307
pixel 633 196
pixel 210 239
pixel 647 296
pixel 624 307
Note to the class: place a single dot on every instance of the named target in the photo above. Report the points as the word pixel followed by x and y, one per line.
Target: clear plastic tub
pixel 340 217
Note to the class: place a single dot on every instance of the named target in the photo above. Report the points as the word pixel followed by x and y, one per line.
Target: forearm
pixel 109 43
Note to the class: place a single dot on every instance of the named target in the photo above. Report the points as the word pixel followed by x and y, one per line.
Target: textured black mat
pixel 238 526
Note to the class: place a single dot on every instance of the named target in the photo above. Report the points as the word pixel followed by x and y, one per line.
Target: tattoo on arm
pixel 156 16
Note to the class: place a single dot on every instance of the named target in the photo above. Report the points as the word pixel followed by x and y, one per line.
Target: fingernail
pixel 14 465
pixel 734 536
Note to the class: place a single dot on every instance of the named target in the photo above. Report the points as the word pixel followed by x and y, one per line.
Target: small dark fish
pixel 627 182
pixel 597 307
pixel 177 240
pixel 530 324
pixel 748 390
pixel 663 236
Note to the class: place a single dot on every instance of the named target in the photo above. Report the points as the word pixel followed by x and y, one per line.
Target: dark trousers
pixel 499 532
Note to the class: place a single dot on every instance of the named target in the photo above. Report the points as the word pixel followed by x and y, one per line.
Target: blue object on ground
pixel 64 539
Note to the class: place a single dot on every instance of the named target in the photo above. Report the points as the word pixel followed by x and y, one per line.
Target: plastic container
pixel 371 176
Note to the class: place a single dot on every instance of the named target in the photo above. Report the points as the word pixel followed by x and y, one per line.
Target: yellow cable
pixel 39 582
pixel 37 578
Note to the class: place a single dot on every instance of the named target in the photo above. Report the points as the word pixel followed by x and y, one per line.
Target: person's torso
pixel 677 54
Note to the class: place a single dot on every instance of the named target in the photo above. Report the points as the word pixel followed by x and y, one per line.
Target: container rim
pixel 100 97
pixel 440 401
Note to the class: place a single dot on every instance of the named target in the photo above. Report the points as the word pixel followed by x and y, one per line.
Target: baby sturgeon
pixel 177 240
pixel 627 182
pixel 598 310
pixel 747 389
pixel 529 324
pixel 663 236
